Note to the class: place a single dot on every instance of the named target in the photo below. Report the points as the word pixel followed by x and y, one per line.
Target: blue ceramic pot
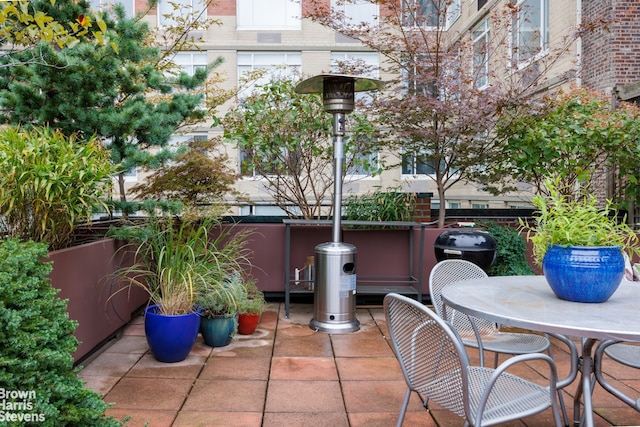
pixel 583 274
pixel 170 338
pixel 218 331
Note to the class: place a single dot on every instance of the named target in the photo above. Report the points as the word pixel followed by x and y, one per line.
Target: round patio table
pixel 528 302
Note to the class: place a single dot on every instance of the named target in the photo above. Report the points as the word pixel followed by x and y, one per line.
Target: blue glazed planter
pixel 583 274
pixel 219 330
pixel 170 338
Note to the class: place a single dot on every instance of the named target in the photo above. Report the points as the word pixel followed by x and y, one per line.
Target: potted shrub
pixel 170 255
pixel 579 245
pixel 250 308
pixel 219 301
pixel 222 291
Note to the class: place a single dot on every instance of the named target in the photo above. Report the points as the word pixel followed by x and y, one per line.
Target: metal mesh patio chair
pixel 435 364
pixel 627 354
pixel 475 332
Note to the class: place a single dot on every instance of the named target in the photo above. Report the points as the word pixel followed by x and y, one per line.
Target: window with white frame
pixel 357 11
pixel 277 65
pixel 480 65
pixel 189 62
pixel 430 13
pixel 269 15
pixel 129 5
pixel 530 30
pixel 418 164
pixel 168 10
pixel 364 64
pixel 418 77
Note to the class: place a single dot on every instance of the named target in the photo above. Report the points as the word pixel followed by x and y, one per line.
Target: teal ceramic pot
pixel 218 331
pixel 583 274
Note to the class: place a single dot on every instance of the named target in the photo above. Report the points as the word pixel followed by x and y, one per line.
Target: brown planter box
pixel 82 273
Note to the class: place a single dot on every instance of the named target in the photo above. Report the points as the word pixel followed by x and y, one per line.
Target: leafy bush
pixel 511 259
pixel 48 183
pixel 37 343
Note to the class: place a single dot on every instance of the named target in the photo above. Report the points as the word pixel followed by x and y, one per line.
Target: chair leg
pixel 405 403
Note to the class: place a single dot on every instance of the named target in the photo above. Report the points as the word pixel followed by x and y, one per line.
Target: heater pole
pixel 338 155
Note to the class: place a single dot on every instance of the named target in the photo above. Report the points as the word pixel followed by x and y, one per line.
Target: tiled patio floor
pixel 287 375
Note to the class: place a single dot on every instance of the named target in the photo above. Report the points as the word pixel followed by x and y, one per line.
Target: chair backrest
pixel 431 354
pixel 445 273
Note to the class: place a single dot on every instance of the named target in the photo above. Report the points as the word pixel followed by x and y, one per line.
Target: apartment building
pixel 273 34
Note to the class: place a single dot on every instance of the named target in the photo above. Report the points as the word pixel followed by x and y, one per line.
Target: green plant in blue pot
pixel 579 244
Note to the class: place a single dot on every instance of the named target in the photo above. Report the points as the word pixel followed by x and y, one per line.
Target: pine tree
pixel 116 90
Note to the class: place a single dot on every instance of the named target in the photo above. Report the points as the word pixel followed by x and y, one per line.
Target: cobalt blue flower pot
pixel 170 337
pixel 218 331
pixel 583 274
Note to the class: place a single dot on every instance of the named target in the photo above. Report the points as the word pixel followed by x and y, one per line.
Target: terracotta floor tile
pixel 316 346
pixel 309 419
pixel 111 364
pixel 227 396
pixel 149 367
pixel 285 374
pixel 218 419
pixel 144 418
pixel 100 384
pixel 303 368
pixel 304 396
pixel 239 368
pixel 377 396
pixel 386 419
pixel 129 344
pixel 347 346
pixel 149 393
pixel 369 368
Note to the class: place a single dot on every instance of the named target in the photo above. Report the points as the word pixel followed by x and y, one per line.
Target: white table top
pixel 528 302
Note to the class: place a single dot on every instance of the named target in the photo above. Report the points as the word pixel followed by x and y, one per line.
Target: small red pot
pixel 247 323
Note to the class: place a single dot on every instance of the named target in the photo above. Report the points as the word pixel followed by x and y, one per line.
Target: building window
pixel 277 65
pixel 189 62
pixel 418 164
pixel 101 5
pixel 269 15
pixel 357 63
pixel 356 12
pixel 430 13
pixel 530 30
pixel 480 66
pixel 169 10
pixel 253 167
pixel 481 3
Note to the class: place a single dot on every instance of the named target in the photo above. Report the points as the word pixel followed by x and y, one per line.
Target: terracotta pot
pixel 247 323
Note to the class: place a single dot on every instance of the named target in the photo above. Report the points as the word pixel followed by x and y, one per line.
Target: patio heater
pixel 335 261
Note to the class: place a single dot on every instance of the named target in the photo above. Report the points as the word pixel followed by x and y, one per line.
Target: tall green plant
pixel 48 183
pixel 37 344
pixel 168 255
pixel 380 205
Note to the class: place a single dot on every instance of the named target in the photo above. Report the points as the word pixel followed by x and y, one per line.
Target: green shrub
pixel 380 205
pixel 511 259
pixel 48 183
pixel 37 343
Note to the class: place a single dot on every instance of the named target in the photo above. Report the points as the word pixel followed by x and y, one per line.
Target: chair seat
pixel 624 353
pixel 511 395
pixel 510 343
